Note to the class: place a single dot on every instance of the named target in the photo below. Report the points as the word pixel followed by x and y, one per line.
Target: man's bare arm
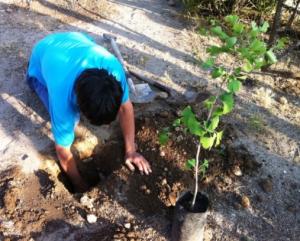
pixel 126 117
pixel 68 164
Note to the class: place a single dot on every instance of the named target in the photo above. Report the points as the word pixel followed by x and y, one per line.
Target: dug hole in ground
pixel 253 180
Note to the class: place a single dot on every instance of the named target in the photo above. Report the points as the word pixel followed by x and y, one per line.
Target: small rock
pixel 162 153
pixel 258 198
pixel 24 157
pixel 291 208
pixel 164 182
pixel 237 206
pixel 266 185
pixel 164 114
pixel 130 235
pixel 245 238
pixel 236 170
pixel 179 138
pixel 86 201
pixel 162 95
pixel 7 224
pixel 178 112
pixel 127 225
pixel 91 218
pixel 165 169
pixel 119 235
pixel 148 191
pixel 172 198
pixel 143 187
pixel 283 100
pixel 245 201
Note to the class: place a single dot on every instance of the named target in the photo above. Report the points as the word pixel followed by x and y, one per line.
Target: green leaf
pixel 247 67
pixel 176 122
pixel 258 47
pixel 259 62
pixel 213 124
pixel 190 121
pixel 234 85
pixel 218 112
pixel 202 31
pixel 242 77
pixel 219 136
pixel 254 26
pixel 187 113
pixel 231 19
pixel 214 50
pixel 208 103
pixel 238 28
pixel 217 72
pixel 219 32
pixel 204 166
pixel 212 22
pixel 190 164
pixel 166 129
pixel 209 63
pixel 163 138
pixel 195 128
pixel 281 43
pixel 271 56
pixel 254 30
pixel 264 28
pixel 207 142
pixel 237 71
pixel 228 102
pixel 230 42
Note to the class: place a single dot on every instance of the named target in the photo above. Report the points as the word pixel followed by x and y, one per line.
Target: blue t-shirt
pixel 56 62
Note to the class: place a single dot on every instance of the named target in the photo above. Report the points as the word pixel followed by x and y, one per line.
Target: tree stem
pixel 276 22
pixel 196 176
pixel 199 149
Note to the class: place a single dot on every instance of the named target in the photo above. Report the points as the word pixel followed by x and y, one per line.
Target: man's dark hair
pixel 99 96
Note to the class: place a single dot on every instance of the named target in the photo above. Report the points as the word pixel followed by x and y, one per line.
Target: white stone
pixel 86 201
pixel 91 218
pixel 127 225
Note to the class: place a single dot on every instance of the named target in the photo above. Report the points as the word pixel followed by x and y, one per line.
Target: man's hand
pixel 132 158
pixel 68 164
pixel 135 159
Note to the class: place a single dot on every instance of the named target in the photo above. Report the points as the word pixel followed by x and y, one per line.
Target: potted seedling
pixel 247 46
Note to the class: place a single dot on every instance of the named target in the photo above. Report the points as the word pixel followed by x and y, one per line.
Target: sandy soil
pixel 263 137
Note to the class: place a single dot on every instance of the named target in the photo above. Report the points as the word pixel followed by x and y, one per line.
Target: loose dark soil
pixel 143 196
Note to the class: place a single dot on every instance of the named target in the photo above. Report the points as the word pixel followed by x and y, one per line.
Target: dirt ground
pixel 253 181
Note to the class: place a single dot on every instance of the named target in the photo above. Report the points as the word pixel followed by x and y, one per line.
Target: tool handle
pixel 119 56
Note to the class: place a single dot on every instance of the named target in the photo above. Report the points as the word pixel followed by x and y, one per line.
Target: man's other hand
pixel 135 159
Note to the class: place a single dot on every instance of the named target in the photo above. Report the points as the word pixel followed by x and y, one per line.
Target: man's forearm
pixel 68 164
pixel 126 117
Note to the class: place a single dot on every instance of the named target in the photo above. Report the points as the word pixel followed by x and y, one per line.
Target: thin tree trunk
pixel 276 22
pixel 292 17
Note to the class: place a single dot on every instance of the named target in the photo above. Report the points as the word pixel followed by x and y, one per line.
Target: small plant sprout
pixel 246 44
pixel 163 137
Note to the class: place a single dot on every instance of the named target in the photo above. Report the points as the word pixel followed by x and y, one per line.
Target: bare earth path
pixel 153 38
